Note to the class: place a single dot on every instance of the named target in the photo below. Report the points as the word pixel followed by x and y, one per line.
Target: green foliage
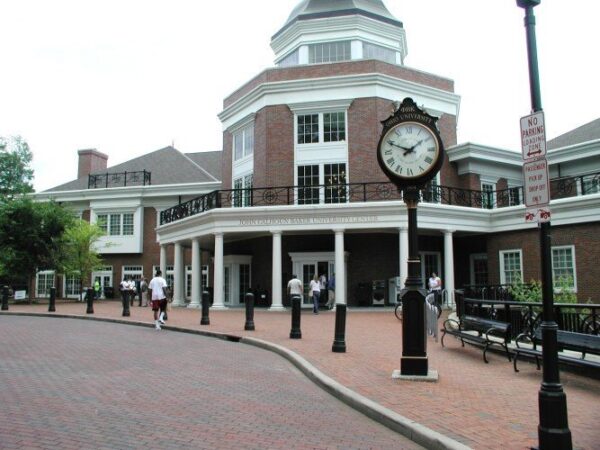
pixel 78 250
pixel 15 171
pixel 522 292
pixel 30 237
pixel 563 291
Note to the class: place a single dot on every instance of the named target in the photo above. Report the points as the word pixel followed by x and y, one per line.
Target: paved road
pixel 83 384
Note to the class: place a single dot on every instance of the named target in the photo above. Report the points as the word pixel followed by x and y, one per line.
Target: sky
pixel 128 77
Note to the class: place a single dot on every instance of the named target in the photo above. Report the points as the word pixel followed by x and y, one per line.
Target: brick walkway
pixel 71 384
pixel 459 405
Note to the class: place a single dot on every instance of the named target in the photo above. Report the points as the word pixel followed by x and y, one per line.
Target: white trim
pixel 320 106
pixel 242 123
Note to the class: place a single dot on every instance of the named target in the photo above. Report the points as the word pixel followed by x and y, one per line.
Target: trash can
pixel 109 292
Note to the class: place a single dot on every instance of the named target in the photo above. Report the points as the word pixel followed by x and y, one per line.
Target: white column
pixel 340 268
pixel 403 255
pixel 448 279
pixel 196 274
pixel 218 300
pixel 178 276
pixel 162 264
pixel 276 294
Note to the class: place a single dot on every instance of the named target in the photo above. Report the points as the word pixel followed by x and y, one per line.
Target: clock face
pixel 409 150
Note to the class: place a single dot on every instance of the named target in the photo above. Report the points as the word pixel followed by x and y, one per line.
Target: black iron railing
pixel 119 179
pixel 527 316
pixel 369 192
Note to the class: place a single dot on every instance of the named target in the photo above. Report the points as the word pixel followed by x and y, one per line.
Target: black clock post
pixel 414 360
pixel 411 153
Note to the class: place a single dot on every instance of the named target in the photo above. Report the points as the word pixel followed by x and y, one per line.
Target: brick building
pixel 297 188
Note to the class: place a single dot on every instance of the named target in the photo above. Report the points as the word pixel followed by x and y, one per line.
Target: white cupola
pixel 325 31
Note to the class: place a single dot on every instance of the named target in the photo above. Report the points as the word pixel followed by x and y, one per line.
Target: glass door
pixel 308 272
pixel 430 262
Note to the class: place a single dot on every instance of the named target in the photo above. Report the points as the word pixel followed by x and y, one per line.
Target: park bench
pixel 479 331
pixel 566 340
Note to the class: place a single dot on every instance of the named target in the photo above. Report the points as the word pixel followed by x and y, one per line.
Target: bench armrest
pixel 523 338
pixel 447 324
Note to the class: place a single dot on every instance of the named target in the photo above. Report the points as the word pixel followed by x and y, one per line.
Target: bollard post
pixel 90 301
pixel 4 298
pixel 125 300
pixel 339 341
pixel 52 301
pixel 249 325
pixel 295 332
pixel 205 320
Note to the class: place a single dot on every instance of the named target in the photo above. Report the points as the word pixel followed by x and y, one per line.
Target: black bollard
pixel 90 301
pixel 339 341
pixel 52 301
pixel 125 299
pixel 295 332
pixel 4 298
pixel 249 325
pixel 205 320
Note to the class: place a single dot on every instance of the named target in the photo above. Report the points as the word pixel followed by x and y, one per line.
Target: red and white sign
pixel 536 185
pixel 533 136
pixel 538 215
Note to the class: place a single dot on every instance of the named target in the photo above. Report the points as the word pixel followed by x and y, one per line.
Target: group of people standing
pixel 318 285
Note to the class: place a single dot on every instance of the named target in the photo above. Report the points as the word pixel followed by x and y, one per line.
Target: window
pixel 334 127
pixel 329 52
pixel 510 267
pixel 44 281
pixel 514 196
pixel 563 267
pixel 116 224
pixel 72 286
pixel 335 183
pixel 488 191
pixel 322 127
pixel 479 269
pixel 308 129
pixel 293 59
pixel 590 184
pixel 244 281
pixel 242 195
pixel 372 51
pixel 135 272
pixel 308 185
pixel 128 224
pixel 243 142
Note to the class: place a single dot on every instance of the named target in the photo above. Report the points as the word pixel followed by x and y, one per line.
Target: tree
pixel 78 251
pixel 30 238
pixel 15 173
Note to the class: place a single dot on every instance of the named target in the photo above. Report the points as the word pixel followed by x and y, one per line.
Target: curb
pixel 414 431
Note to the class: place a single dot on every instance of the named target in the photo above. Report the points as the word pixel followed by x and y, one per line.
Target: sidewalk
pixel 479 405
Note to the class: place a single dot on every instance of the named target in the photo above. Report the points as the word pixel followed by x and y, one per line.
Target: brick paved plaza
pixel 458 406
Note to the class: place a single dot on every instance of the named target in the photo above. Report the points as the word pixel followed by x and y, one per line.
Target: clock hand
pixel 412 149
pixel 399 146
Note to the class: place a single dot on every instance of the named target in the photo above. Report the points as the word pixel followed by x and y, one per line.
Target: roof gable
pixel 585 133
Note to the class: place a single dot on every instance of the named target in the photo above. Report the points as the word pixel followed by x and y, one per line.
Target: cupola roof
pixel 319 9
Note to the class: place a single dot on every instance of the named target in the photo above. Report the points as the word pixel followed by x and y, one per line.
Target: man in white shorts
pixel 158 286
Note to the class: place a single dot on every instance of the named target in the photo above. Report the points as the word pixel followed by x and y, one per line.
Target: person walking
pixel 144 291
pixel 435 287
pixel 294 287
pixel 158 287
pixel 315 288
pixel 331 292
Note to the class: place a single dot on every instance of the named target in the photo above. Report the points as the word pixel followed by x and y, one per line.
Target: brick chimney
pixel 91 161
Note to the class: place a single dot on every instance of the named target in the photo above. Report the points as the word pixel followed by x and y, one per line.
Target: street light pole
pixel 553 429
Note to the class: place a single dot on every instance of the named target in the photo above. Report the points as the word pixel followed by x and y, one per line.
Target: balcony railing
pixel 119 179
pixel 369 192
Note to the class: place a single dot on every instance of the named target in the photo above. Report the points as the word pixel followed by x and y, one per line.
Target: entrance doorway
pixel 105 277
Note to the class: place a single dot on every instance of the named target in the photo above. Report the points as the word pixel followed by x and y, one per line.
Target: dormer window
pixel 329 52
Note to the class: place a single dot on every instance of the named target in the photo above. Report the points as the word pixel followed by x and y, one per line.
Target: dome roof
pixel 318 9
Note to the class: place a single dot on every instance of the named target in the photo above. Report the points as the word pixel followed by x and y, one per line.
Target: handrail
pixel 368 192
pixel 118 179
